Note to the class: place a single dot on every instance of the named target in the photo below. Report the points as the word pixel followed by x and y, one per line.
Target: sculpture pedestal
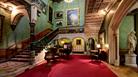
pixel 130 60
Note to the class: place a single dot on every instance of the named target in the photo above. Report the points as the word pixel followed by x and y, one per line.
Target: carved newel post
pixel 130 58
pixel 33 19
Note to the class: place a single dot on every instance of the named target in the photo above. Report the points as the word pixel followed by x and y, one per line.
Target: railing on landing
pixel 71 29
pixel 61 30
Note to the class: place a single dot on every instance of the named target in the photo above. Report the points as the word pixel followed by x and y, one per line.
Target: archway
pixel 91 43
pixel 78 44
pixel 16 20
pixel 128 21
pixel 113 30
pixel 62 41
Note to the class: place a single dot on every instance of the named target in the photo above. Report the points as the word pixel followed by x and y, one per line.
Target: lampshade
pixel 68 1
pixel 98 45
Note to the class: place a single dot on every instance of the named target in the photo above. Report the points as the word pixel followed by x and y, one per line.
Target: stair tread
pixel 24 53
pixel 20 59
pixel 22 56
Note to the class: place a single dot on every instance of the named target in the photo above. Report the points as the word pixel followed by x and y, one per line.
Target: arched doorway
pixel 78 44
pixel 113 30
pixel 62 41
pixel 91 44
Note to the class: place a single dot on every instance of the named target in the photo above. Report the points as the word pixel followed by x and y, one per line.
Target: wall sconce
pixel 103 12
pixel 98 46
pixel 106 46
pixel 62 42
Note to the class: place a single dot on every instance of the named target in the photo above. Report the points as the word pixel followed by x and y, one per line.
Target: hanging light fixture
pixel 68 1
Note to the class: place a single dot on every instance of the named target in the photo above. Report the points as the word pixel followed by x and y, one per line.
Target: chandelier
pixel 68 1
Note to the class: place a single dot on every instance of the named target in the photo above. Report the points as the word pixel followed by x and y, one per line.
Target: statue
pixel 132 41
pixel 130 58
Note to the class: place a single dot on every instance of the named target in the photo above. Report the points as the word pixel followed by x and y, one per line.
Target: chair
pixel 94 54
pixel 51 55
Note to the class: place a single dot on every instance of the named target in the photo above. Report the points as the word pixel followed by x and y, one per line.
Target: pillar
pixel 113 47
pixel 32 42
pixel 111 56
pixel 116 40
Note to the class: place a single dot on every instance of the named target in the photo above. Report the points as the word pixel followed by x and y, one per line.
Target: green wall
pixel 63 6
pixel 22 30
pixel 126 26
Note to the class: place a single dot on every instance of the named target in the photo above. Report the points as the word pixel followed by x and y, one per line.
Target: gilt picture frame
pixel 73 17
pixel 78 42
pixel 59 23
pixel 58 14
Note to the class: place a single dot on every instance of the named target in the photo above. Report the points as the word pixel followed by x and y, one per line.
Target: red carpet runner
pixel 75 67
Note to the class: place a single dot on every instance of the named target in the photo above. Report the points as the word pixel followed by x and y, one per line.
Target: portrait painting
pixel 58 14
pixel 73 17
pixel 59 23
pixel 78 42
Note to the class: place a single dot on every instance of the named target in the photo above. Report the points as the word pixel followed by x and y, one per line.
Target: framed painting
pixel 58 14
pixel 59 23
pixel 73 17
pixel 50 14
pixel 1 26
pixel 78 42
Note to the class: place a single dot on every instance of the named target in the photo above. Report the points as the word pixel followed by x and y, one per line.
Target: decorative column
pixel 33 19
pixel 116 42
pixel 111 55
pixel 113 37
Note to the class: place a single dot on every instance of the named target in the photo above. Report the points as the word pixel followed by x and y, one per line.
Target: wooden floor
pixel 124 71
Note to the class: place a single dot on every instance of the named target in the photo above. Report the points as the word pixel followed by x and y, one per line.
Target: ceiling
pixel 93 17
pixel 95 12
pixel 96 5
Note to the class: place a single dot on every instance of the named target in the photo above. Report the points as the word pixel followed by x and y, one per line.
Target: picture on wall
pixel 73 17
pixel 1 26
pixel 50 14
pixel 59 23
pixel 78 42
pixel 58 14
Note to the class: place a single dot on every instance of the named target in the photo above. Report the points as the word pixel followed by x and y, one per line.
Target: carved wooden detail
pixel 93 19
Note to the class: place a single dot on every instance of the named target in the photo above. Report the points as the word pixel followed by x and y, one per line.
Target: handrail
pixel 49 34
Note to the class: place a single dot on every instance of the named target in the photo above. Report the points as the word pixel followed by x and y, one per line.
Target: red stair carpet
pixel 75 67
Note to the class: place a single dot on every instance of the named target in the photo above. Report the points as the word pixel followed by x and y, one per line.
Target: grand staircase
pixel 24 54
